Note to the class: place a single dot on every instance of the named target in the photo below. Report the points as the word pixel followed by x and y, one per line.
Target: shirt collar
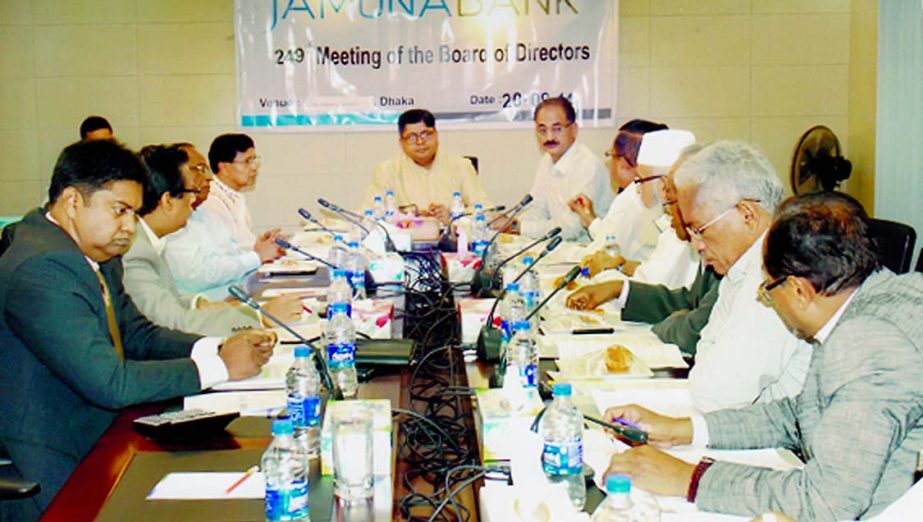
pixel 224 188
pixel 825 331
pixel 563 165
pixel 751 260
pixel 158 243
pixel 93 264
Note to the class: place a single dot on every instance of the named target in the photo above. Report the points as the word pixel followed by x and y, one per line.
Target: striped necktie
pixel 110 315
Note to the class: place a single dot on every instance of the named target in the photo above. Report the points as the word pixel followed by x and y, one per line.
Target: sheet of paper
pixel 317 291
pixel 207 486
pixel 255 403
pixel 289 265
pixel 271 376
pixel 673 402
pixel 640 340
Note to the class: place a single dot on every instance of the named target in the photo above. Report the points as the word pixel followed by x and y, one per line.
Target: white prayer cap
pixel 660 149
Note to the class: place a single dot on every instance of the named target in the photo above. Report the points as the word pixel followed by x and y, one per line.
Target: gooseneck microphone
pixel 498 208
pixel 288 246
pixel 547 250
pixel 307 215
pixel 478 283
pixel 319 359
pixel 568 279
pixel 554 232
pixel 357 220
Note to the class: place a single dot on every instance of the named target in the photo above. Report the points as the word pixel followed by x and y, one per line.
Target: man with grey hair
pixel 726 194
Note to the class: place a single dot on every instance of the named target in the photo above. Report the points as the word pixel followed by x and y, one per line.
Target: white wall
pixel 164 70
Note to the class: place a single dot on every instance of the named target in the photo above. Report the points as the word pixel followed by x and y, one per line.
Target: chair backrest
pixel 474 162
pixel 6 237
pixel 895 243
pixel 919 267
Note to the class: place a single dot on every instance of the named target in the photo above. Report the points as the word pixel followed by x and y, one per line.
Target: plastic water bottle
pixel 302 386
pixel 285 471
pixel 339 291
pixel 528 285
pixel 355 267
pixel 562 456
pixel 378 208
pixel 338 252
pixel 341 350
pixel 480 235
pixel 612 245
pixel 522 355
pixel 617 506
pixel 458 206
pixel 390 202
pixel 511 309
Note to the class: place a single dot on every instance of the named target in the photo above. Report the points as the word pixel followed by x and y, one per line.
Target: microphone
pixel 319 359
pixel 568 279
pixel 477 284
pixel 516 208
pixel 553 233
pixel 288 246
pixel 357 220
pixel 547 250
pixel 307 215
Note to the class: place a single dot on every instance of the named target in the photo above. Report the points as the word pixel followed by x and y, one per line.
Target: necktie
pixel 110 315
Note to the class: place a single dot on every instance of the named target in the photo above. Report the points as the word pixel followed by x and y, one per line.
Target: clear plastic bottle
pixel 338 252
pixel 458 206
pixel 612 245
pixel 378 208
pixel 480 235
pixel 511 309
pixel 302 387
pixel 528 284
pixel 285 471
pixel 355 267
pixel 522 355
pixel 390 202
pixel 562 456
pixel 339 291
pixel 617 505
pixel 341 350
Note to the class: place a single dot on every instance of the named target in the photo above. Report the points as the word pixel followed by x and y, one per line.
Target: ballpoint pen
pixel 630 432
pixel 249 473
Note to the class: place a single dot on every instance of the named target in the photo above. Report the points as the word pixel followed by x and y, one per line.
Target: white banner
pixel 322 64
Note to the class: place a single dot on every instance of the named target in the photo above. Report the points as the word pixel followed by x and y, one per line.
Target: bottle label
pixel 304 411
pixel 341 356
pixel 478 247
pixel 563 457
pixel 287 504
pixel 357 279
pixel 506 330
pixel 527 376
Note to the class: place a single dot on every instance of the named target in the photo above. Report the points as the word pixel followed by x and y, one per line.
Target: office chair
pixel 474 163
pixel 6 237
pixel 919 267
pixel 12 487
pixel 895 242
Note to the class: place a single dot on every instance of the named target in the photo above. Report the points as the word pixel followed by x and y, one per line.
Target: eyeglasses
pixel 554 130
pixel 697 232
pixel 642 181
pixel 190 191
pixel 201 168
pixel 255 160
pixel 418 138
pixel 762 292
pixel 610 154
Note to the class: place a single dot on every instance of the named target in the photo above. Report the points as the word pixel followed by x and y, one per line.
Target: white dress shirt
pixel 630 222
pixel 205 258
pixel 578 171
pixel 673 263
pixel 423 186
pixel 745 353
pixel 204 354
pixel 230 208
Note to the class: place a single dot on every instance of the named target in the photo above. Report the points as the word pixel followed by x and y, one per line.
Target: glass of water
pixel 352 454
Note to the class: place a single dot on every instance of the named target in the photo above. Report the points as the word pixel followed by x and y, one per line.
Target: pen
pixel 249 473
pixel 633 435
pixel 592 331
pixel 306 309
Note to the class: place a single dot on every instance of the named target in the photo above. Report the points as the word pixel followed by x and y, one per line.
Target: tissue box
pixel 381 437
pixel 473 314
pixel 373 317
pixel 497 423
pixel 388 268
pixel 460 268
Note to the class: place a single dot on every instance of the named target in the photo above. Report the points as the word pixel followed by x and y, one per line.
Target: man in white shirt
pixel 236 165
pixel 424 176
pixel 565 170
pixel 727 193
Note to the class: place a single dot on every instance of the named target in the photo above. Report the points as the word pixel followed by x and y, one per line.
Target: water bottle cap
pixel 337 308
pixel 282 427
pixel 456 194
pixel 377 198
pixel 389 193
pixel 528 260
pixel 353 244
pixel 521 325
pixel 512 287
pixel 338 273
pixel 478 206
pixel 585 271
pixel 618 484
pixel 479 217
pixel 302 351
pixel 338 238
pixel 368 213
pixel 561 389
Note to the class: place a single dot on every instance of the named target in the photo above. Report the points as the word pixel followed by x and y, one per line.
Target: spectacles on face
pixel 555 130
pixel 201 168
pixel 762 292
pixel 641 181
pixel 611 154
pixel 422 137
pixel 250 162
pixel 697 232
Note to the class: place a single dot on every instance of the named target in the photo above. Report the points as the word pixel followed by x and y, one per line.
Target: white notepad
pixel 207 486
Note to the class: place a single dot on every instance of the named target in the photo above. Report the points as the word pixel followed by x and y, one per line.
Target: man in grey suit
pixel 859 420
pixel 74 350
pixel 178 179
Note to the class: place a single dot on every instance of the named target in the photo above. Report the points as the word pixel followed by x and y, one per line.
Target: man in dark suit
pixel 74 350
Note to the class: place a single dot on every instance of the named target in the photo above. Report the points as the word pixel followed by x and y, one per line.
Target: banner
pixel 322 64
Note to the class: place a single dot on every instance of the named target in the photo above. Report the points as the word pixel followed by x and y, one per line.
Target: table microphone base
pixel 488 347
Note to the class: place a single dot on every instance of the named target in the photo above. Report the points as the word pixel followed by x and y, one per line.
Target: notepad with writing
pixel 207 486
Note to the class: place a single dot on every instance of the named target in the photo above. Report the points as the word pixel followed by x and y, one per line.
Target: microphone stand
pixel 356 219
pixel 551 234
pixel 478 285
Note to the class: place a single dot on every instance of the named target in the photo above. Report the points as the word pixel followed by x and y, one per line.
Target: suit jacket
pixel 858 421
pixel 61 380
pixel 149 282
pixel 678 314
